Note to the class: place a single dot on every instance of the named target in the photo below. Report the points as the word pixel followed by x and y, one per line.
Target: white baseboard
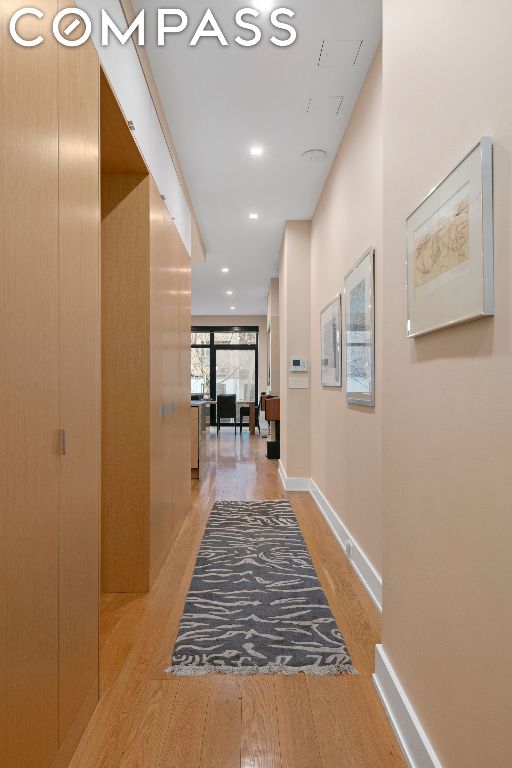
pixel 361 564
pixel 414 741
pixel 293 483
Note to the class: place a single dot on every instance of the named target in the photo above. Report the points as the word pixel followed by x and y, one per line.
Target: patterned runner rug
pixel 255 604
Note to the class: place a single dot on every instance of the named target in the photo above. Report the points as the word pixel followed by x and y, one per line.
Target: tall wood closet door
pixel 29 395
pixel 162 331
pixel 173 363
pixel 79 282
pixel 125 395
pixel 182 491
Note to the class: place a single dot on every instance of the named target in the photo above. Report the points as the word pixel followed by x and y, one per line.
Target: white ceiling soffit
pixel 219 101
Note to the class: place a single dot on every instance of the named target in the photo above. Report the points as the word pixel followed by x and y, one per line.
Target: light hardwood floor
pixel 146 719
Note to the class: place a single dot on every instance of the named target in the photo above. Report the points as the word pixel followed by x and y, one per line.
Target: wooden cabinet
pixel 125 458
pixel 79 311
pixel 52 368
pixel 49 364
pixel 181 446
pixel 164 382
pixel 272 409
pixel 145 378
pixel 29 406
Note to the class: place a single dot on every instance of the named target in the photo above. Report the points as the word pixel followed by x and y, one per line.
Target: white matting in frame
pixel 450 261
pixel 330 343
pixel 360 331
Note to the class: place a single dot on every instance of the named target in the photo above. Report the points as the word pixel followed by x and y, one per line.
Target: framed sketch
pixel 450 262
pixel 360 331
pixel 330 343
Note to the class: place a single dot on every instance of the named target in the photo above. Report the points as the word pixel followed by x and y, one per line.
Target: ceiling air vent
pixel 358 52
pixel 314 155
pixel 339 53
pixel 324 106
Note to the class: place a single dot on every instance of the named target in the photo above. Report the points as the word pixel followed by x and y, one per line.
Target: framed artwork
pixel 450 260
pixel 360 331
pixel 330 343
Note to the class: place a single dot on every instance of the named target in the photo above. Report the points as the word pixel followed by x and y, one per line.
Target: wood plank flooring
pixel 147 719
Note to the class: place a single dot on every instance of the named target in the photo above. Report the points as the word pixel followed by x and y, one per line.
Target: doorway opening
pixel 224 361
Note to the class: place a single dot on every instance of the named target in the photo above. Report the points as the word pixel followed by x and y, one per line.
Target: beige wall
pixel 294 299
pixel 346 442
pixel 273 327
pixel 447 402
pixel 259 320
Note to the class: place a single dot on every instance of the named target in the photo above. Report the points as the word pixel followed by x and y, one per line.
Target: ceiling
pixel 220 101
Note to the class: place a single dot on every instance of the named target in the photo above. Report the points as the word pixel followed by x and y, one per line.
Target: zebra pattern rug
pixel 255 604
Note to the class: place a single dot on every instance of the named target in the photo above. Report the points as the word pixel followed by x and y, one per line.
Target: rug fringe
pixel 189 670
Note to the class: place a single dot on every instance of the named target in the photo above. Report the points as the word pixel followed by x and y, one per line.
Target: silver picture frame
pixel 330 343
pixel 450 248
pixel 359 335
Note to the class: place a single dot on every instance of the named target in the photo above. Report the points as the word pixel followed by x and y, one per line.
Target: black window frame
pixel 212 330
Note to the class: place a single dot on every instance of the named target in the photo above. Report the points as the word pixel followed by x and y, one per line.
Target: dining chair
pixel 226 409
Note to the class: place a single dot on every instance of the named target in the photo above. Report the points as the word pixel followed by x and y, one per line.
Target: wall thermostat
pixel 298 364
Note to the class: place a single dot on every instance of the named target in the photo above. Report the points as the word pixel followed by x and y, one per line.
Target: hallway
pixel 286 219
pixel 145 718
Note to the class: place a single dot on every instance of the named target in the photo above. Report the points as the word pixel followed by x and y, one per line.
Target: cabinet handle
pixel 172 408
pixel 163 410
pixel 62 442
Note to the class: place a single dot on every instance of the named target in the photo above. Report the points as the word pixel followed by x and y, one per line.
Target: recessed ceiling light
pixel 254 215
pixel 229 293
pixel 232 308
pixel 225 269
pixel 256 151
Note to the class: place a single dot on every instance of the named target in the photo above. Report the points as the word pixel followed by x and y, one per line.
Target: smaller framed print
pixel 360 331
pixel 450 262
pixel 330 343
